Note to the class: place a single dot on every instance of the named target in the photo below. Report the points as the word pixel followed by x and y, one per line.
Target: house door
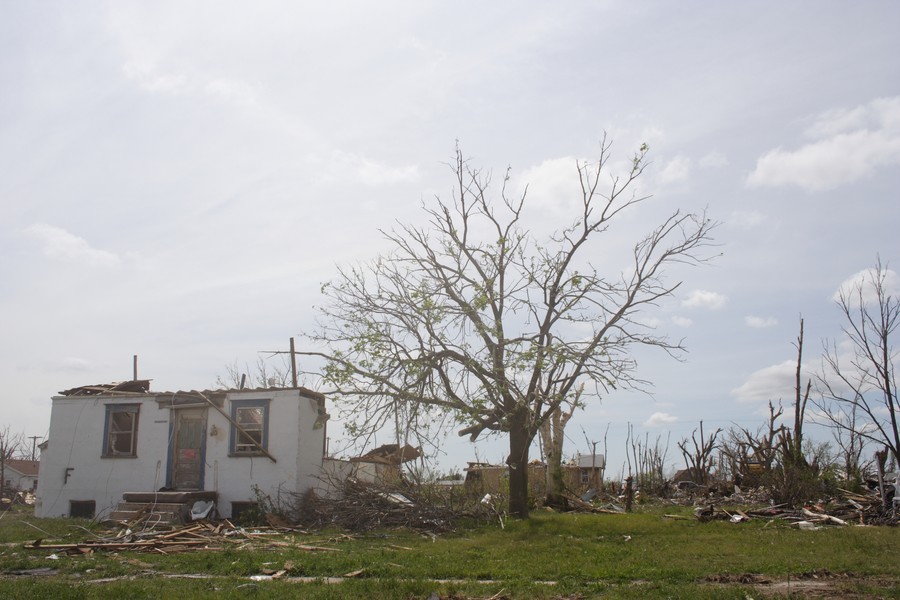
pixel 188 446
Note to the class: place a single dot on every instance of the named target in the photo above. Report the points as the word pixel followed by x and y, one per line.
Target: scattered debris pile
pixel 201 535
pixel 849 508
pixel 362 507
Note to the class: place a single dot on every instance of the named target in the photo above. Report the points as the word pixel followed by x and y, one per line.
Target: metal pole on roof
pixel 293 364
pixel 135 367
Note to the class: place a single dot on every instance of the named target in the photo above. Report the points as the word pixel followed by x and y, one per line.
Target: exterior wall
pixel 76 442
pixel 293 440
pixel 18 481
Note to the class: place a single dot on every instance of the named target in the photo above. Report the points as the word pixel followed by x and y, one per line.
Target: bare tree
pixel 472 319
pixel 699 458
pixel 747 451
pixel 263 375
pixel 859 393
pixel 10 445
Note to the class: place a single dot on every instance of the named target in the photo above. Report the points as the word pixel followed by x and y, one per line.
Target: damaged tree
pixel 472 318
pixel 553 435
pixel 858 393
pixel 699 459
pixel 10 444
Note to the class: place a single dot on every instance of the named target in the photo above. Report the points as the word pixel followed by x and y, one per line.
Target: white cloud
pixel 150 78
pixel 747 219
pixel 713 160
pixel 553 183
pixel 59 244
pixel 72 363
pixel 375 173
pixel 659 419
pixel 676 170
pixel 849 145
pixel 705 299
pixel 770 383
pixel 682 321
pixel 760 322
pixel 651 322
pixel 147 78
pixel 339 165
pixel 865 280
pixel 232 90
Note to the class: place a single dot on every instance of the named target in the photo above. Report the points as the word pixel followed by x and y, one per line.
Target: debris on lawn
pixel 199 535
pixel 848 508
pixel 363 507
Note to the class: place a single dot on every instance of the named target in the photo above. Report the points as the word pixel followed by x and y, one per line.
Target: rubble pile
pixel 200 535
pixel 845 509
pixel 362 507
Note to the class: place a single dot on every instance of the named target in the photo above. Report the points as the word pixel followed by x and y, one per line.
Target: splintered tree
pixel 553 435
pixel 859 388
pixel 471 318
pixel 699 458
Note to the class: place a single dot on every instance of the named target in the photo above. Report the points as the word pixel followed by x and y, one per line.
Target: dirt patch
pixel 820 584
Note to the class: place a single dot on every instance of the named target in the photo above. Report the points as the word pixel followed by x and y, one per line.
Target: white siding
pixel 76 442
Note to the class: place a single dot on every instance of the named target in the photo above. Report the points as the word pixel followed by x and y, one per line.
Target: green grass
pixel 638 555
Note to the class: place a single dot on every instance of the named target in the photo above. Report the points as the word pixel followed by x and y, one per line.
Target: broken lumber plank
pixel 823 517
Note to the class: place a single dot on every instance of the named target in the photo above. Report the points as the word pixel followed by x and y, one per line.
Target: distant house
pixel 579 475
pixel 21 475
pixel 379 466
pixel 118 443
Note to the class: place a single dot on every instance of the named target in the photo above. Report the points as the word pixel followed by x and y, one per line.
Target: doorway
pixel 188 449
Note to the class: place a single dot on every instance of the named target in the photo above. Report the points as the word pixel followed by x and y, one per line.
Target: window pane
pixel 250 418
pixel 249 435
pixel 120 443
pixel 246 440
pixel 121 430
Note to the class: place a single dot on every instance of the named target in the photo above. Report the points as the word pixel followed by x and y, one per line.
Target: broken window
pixel 120 432
pixel 251 435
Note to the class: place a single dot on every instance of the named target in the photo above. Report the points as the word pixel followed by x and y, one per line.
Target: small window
pixel 120 433
pixel 253 435
pixel 82 509
pixel 244 512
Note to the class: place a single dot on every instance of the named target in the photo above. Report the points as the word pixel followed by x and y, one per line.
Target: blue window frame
pixel 120 430
pixel 253 417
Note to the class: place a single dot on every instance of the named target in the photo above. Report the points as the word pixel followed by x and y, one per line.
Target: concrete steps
pixel 158 508
pixel 168 513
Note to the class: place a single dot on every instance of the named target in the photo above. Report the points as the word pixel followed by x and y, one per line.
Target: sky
pixel 180 178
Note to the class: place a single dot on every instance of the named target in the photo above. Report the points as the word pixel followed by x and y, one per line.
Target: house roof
pixel 136 386
pixel 25 467
pixel 390 454
pixel 141 387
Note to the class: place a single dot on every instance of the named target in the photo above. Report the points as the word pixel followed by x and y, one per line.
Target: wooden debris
pixel 841 511
pixel 201 535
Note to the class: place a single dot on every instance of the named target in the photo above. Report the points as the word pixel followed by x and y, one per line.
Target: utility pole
pixel 34 439
pixel 293 354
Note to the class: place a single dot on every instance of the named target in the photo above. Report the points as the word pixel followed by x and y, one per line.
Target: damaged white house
pixel 113 446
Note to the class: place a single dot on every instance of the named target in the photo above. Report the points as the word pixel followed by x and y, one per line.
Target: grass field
pixel 639 555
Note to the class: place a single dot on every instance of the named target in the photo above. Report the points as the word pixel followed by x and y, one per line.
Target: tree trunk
pixel 552 436
pixel 519 442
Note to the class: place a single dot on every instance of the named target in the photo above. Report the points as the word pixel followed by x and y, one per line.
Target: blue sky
pixel 181 177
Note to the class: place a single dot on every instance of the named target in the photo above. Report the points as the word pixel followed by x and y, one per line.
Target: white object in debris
pixel 807 526
pixel 201 509
pixel 487 500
